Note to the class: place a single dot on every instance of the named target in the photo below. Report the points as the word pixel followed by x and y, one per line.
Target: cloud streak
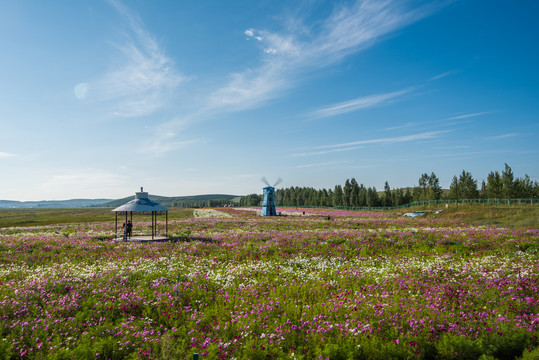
pixel 504 136
pixel 354 145
pixel 467 116
pixel 70 182
pixel 143 81
pixel 359 103
pixel 324 164
pixel 288 55
pixel 441 76
pixel 328 151
pixel 390 140
pixel 443 122
pixel 4 155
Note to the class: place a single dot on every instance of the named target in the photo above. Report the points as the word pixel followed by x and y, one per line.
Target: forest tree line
pixel 197 203
pixel 498 185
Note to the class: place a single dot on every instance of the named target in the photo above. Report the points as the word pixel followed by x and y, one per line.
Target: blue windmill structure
pixel 268 204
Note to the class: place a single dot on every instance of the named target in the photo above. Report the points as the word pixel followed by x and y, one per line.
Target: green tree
pixel 463 187
pixel 354 193
pixel 408 197
pixel 388 197
pixel 362 195
pixel 434 188
pixel 249 200
pixel 484 190
pixel 494 185
pixel 330 198
pixel 312 196
pixel 525 188
pixel 323 198
pixel 508 182
pixel 347 191
pixel 421 193
pixel 468 185
pixel 338 196
pixel 372 197
pixel 454 189
pixel 398 196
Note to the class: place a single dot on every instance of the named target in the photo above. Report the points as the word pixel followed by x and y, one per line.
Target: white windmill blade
pixel 265 181
pixel 279 180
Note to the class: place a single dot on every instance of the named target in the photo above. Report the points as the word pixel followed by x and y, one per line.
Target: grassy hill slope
pixel 174 201
pixel 73 203
pixel 508 216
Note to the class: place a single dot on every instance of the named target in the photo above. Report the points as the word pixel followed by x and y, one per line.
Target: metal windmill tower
pixel 268 204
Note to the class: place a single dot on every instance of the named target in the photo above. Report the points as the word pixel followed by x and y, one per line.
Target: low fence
pixel 532 201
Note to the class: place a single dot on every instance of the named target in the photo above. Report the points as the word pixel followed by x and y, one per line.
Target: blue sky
pixel 182 97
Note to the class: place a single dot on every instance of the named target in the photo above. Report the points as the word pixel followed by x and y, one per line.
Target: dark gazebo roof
pixel 141 203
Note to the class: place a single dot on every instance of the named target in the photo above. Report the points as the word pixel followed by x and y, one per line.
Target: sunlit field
pixel 319 285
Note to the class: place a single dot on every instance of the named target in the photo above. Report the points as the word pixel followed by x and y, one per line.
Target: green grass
pixel 513 216
pixel 507 216
pixel 35 217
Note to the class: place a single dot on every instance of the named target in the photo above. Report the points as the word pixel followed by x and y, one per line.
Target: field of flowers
pixel 324 285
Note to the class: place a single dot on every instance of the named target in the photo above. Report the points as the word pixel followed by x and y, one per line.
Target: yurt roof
pixel 141 203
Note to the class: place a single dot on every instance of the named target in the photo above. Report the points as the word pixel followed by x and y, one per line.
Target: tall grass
pixel 35 217
pixel 509 216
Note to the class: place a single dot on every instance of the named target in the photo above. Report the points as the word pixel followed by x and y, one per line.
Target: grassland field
pixel 326 284
pixel 512 216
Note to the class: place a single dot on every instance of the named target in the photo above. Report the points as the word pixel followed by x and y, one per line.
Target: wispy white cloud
pixel 472 154
pixel 323 164
pixel 354 145
pixel 289 54
pixel 389 140
pixel 143 81
pixel 358 104
pixel 169 136
pixel 450 121
pixel 327 151
pixel 362 166
pixel 91 180
pixel 6 155
pixel 168 143
pixel 466 116
pixel 442 75
pixel 404 126
pixel 452 147
pixel 503 136
pixel 248 89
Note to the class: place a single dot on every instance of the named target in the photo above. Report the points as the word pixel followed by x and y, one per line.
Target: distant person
pixel 129 229
pixel 124 229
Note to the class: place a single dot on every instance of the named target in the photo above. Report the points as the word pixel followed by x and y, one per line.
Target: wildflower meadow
pixel 307 285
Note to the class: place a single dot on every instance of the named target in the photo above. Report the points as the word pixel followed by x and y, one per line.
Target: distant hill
pixel 168 201
pixel 73 203
pixel 183 201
